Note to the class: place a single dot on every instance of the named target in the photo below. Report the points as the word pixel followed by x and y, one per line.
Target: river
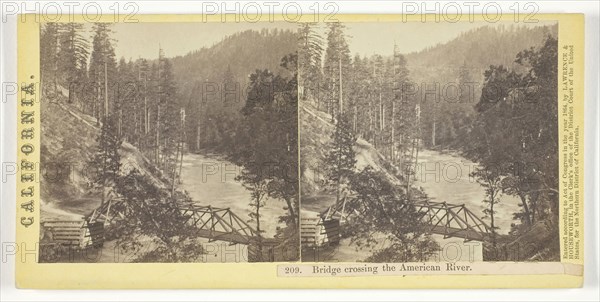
pixel 443 177
pixel 210 180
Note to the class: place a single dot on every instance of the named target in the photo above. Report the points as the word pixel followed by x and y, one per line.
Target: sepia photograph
pixel 314 149
pixel 169 142
pixel 428 142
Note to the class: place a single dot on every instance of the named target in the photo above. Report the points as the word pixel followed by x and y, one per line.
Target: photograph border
pixel 30 274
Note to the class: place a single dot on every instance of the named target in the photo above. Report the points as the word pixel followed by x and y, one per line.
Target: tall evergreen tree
pixel 358 95
pixel 229 88
pixel 107 159
pixel 379 96
pixel 126 102
pixel 72 57
pixel 253 137
pixel 168 116
pixel 310 52
pixel 402 109
pixel 143 77
pixel 266 143
pixel 284 184
pixel 383 209
pixel 490 179
pixel 341 160
pixel 49 49
pixel 521 111
pixel 103 70
pixel 336 68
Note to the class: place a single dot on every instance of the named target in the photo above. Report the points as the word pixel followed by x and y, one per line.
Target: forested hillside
pixel 489 94
pixel 481 45
pixel 128 123
pixel 439 70
pixel 214 81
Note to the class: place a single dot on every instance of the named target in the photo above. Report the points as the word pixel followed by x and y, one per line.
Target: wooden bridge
pixel 215 224
pixel 449 220
pixel 452 220
pixel 218 224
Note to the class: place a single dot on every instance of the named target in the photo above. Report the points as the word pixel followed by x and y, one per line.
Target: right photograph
pixel 425 142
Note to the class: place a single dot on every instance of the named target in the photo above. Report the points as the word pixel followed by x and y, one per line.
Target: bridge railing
pixel 449 220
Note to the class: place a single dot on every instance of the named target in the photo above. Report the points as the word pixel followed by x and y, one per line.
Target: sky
pixel 136 40
pixel 142 39
pixel 379 38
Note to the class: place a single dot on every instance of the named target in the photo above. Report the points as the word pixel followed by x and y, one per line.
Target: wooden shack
pixel 314 231
pixel 77 234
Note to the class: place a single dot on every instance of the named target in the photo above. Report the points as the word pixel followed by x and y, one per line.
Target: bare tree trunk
pixel 433 129
pixel 198 138
pixel 182 142
pixel 341 104
pixel 146 111
pixel 157 147
pixel 492 225
pixel 380 115
pixel 105 90
pixel 371 122
pixel 433 134
pixel 97 104
pixel 120 131
pixel 355 118
pixel 392 138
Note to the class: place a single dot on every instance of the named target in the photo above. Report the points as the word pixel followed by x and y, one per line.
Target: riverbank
pixel 210 180
pixel 443 176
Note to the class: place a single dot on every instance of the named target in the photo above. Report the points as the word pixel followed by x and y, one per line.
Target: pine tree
pixel 103 65
pixel 379 82
pixel 384 209
pixel 49 49
pixel 107 158
pixel 461 111
pixel 341 160
pixel 284 183
pixel 358 93
pixel 336 68
pixel 143 95
pixel 228 75
pixel 72 57
pixel 464 81
pixel 266 142
pixel 152 93
pixel 403 114
pixel 168 116
pixel 229 88
pixel 520 110
pixel 490 180
pixel 310 51
pixel 252 137
pixel 126 101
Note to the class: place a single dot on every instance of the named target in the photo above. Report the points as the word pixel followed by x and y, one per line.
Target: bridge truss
pixel 215 224
pixel 449 220
pixel 218 224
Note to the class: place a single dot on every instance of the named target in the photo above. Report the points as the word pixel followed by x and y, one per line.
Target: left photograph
pixel 169 142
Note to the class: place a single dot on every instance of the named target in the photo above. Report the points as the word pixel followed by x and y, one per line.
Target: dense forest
pixel 238 98
pixel 489 94
pixel 214 82
pixel 471 54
